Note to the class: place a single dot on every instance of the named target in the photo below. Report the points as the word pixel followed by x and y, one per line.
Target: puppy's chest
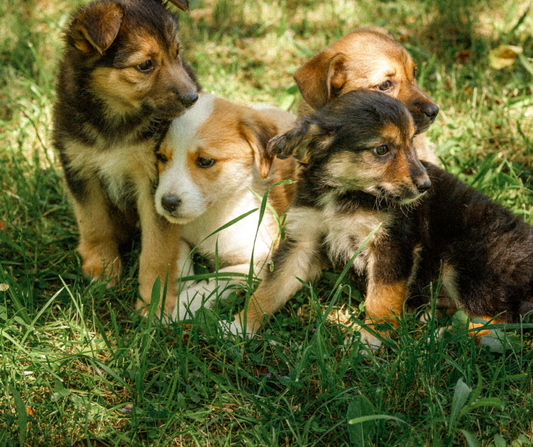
pixel 122 167
pixel 234 244
pixel 345 233
pixel 341 233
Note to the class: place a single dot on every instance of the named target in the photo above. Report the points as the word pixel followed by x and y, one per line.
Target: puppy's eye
pixel 161 157
pixel 381 150
pixel 145 66
pixel 203 162
pixel 385 86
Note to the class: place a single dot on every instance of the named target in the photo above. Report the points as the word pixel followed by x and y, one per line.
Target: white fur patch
pixel 176 178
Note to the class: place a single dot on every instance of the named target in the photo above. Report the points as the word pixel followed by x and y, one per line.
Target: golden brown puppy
pixel 121 82
pixel 367 59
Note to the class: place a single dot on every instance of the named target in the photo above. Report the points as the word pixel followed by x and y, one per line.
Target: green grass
pixel 75 364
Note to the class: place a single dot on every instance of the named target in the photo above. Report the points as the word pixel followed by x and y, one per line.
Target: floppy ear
pixel 258 130
pixel 319 77
pixel 295 142
pixel 181 4
pixel 96 27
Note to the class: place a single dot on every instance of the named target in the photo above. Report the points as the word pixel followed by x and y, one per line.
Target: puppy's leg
pixel 383 303
pixel 159 252
pixel 390 265
pixel 205 293
pixel 294 259
pixel 98 244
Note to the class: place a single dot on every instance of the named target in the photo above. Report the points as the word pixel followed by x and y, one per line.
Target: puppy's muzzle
pixel 423 184
pixel 188 99
pixel 431 111
pixel 170 202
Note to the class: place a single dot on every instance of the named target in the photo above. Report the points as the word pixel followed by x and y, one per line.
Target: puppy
pixel 211 163
pixel 363 174
pixel 120 83
pixel 367 59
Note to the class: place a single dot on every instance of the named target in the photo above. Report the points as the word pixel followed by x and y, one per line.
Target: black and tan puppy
pixel 362 173
pixel 121 81
pixel 367 59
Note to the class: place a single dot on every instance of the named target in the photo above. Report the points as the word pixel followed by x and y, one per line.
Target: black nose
pixel 170 202
pixel 423 184
pixel 189 100
pixel 432 110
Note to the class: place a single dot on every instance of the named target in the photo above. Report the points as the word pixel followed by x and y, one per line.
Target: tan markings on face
pixel 397 170
pixel 124 88
pixel 165 152
pixel 220 139
pixel 354 171
pixel 373 59
pixel 391 132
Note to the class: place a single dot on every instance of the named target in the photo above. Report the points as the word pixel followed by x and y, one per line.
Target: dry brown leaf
pixel 503 56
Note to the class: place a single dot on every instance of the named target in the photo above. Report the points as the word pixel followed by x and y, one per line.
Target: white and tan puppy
pixel 211 160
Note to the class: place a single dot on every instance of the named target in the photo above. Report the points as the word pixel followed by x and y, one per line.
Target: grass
pixel 76 365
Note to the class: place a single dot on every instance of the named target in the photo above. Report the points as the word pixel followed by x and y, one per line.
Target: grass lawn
pixel 77 365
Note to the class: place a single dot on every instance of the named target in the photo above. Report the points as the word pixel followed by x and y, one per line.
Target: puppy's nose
pixel 189 99
pixel 432 111
pixel 170 202
pixel 423 184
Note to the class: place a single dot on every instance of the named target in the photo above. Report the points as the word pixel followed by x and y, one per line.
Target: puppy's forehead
pixel 375 56
pixel 186 129
pixel 223 129
pixel 391 131
pixel 141 44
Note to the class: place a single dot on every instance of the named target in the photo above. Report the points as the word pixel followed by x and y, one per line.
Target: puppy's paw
pixel 101 267
pixel 371 342
pixel 234 329
pixel 278 146
pixel 192 299
pixel 438 333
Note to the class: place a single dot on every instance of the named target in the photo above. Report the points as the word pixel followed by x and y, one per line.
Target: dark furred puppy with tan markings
pixel 367 59
pixel 362 172
pixel 121 82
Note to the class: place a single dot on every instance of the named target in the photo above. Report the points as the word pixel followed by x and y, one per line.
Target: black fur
pixel 489 249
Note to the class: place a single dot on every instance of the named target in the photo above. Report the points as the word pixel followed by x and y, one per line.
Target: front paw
pixel 101 265
pixel 370 341
pixel 191 300
pixel 149 291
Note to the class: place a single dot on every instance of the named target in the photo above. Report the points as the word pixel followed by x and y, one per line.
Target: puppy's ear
pixel 181 4
pixel 296 141
pixel 258 129
pixel 320 77
pixel 96 27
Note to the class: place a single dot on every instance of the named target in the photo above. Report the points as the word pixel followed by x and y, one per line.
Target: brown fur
pixel 364 60
pixel 120 82
pixel 211 158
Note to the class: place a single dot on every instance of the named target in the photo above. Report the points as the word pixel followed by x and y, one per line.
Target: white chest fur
pixel 236 242
pixel 340 234
pixel 117 166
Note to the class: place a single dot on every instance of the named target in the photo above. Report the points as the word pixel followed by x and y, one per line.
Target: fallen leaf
pixel 463 56
pixel 503 56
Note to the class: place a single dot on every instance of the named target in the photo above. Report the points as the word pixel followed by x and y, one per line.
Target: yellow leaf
pixel 503 56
